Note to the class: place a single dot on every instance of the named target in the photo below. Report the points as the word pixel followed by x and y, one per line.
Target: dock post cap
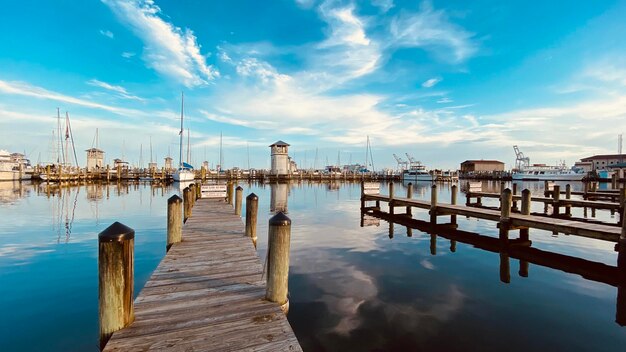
pixel 410 184
pixel 175 198
pixel 280 219
pixel 252 196
pixel 526 190
pixel 239 188
pixel 117 232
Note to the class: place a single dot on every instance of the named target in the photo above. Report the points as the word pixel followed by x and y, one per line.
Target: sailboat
pixel 185 171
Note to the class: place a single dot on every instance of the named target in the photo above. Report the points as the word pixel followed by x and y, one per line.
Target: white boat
pixel 185 171
pixel 13 168
pixel 417 172
pixel 547 173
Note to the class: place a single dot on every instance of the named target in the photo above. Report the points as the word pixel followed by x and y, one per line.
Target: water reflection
pixel 522 250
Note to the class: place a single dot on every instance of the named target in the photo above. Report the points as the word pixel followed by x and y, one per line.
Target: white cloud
pixel 25 89
pixel 118 89
pixel 128 54
pixel 444 100
pixel 384 5
pixel 106 33
pixel 431 29
pixel 431 82
pixel 169 50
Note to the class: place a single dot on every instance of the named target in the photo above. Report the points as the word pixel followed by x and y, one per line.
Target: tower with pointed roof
pixel 280 158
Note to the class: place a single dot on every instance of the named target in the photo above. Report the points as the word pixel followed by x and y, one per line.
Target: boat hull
pixel 417 177
pixel 184 175
pixel 547 177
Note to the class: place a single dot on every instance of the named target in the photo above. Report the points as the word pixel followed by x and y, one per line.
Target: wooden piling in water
pixel 115 279
pixel 238 200
pixel 279 236
pixel 614 181
pixel 526 200
pixel 252 207
pixel 453 202
pixel 505 213
pixel 409 195
pixel 568 195
pixel 514 206
pixel 391 206
pixel 556 197
pixel 433 204
pixel 174 221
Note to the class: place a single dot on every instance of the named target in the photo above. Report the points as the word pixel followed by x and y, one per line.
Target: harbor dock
pixel 208 293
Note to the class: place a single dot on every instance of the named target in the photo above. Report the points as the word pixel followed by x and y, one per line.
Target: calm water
pixel 352 288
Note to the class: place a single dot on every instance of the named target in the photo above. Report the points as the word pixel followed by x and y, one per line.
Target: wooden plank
pixel 207 294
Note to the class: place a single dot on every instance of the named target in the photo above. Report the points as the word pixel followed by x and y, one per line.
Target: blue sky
pixel 442 80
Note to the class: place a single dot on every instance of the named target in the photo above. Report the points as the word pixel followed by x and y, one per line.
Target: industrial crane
pixel 521 161
pixel 402 165
pixel 412 160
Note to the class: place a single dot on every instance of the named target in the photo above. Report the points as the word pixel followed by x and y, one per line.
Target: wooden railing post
pixel 433 204
pixel 391 208
pixel 453 202
pixel 409 195
pixel 186 203
pixel 252 206
pixel 116 246
pixel 278 260
pixel 198 191
pixel 192 194
pixel 174 221
pixel 505 213
pixel 556 198
pixel 229 192
pixel 238 200
pixel 568 196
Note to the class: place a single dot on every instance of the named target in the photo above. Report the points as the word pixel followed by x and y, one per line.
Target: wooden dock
pixel 597 231
pixel 207 294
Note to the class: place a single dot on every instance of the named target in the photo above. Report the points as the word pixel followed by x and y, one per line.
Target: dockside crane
pixel 412 160
pixel 402 165
pixel 521 161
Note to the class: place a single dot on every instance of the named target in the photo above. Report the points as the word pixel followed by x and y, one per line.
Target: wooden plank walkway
pixel 207 294
pixel 597 231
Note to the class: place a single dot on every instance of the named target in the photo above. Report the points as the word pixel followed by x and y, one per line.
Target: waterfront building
pixel 95 159
pixel 280 158
pixel 482 166
pixel 604 161
pixel 585 166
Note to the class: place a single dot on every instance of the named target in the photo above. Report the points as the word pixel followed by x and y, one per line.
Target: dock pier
pixel 208 293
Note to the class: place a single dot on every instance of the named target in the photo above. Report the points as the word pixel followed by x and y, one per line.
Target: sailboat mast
pixel 60 155
pixel 182 108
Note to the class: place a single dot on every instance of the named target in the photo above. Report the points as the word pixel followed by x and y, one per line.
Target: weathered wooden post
pixel 568 196
pixel 119 172
pixel 198 191
pixel 362 195
pixel 252 207
pixel 391 208
pixel 505 213
pixel 614 181
pixel 523 233
pixel 514 206
pixel 116 246
pixel 409 195
pixel 453 202
pixel 278 260
pixel 48 174
pixel 174 221
pixel 192 194
pixel 433 204
pixel 229 192
pixel 586 190
pixel 433 244
pixel 546 188
pixel 556 198
pixel 186 203
pixel 238 200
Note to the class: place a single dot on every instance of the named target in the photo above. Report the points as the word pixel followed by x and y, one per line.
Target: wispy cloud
pixel 384 5
pixel 106 33
pixel 431 29
pixel 122 92
pixel 128 54
pixel 25 89
pixel 169 50
pixel 431 82
pixel 444 100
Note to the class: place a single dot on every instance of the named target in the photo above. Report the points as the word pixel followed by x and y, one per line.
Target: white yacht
pixel 417 172
pixel 14 167
pixel 541 172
